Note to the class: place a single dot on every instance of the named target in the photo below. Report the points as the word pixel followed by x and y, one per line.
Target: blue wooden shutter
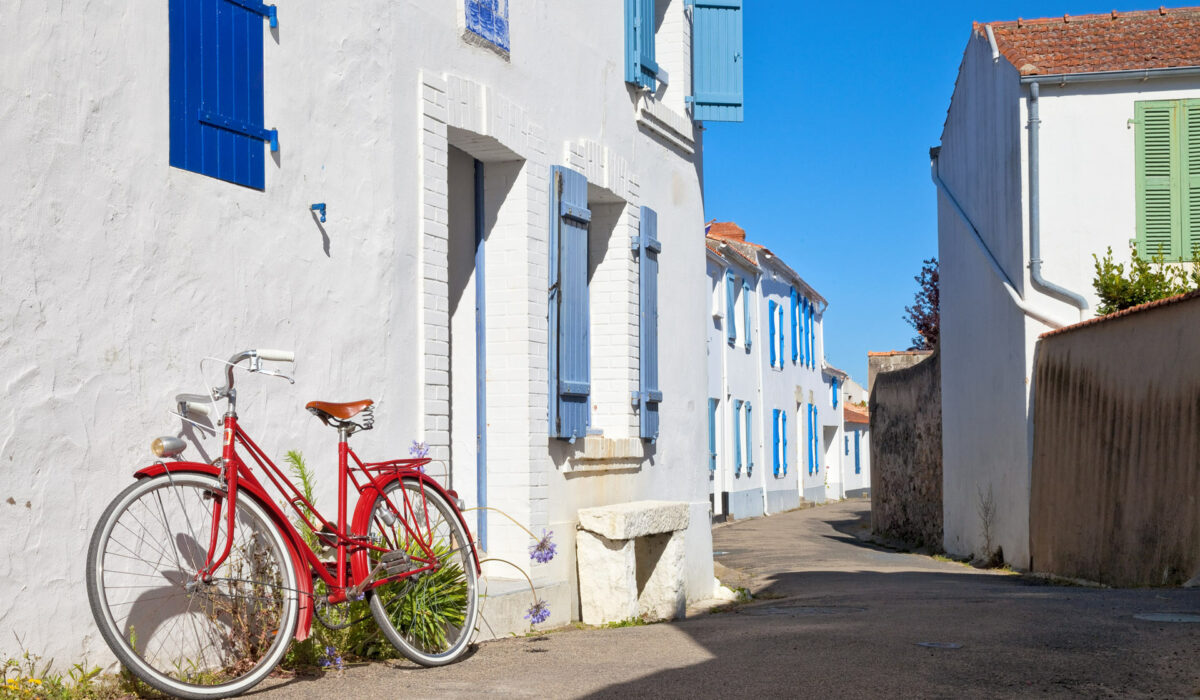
pixel 737 437
pixel 808 334
pixel 716 60
pixel 779 327
pixel 640 65
pixel 712 435
pixel 783 430
pixel 857 459
pixel 835 392
pixel 847 444
pixel 650 395
pixel 730 321
pixel 795 332
pixel 771 329
pixel 812 439
pixel 569 323
pixel 746 302
pixel 489 20
pixel 749 439
pixel 775 440
pixel 216 89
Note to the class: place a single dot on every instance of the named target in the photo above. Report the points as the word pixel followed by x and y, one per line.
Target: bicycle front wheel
pixel 429 616
pixel 184 637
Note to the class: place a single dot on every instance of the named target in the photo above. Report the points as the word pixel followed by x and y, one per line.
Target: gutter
pixel 1111 75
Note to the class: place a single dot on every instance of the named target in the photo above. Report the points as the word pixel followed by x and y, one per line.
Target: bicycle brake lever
pixel 276 373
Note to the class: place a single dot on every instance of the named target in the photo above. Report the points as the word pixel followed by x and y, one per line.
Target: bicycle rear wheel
pixel 430 616
pixel 184 637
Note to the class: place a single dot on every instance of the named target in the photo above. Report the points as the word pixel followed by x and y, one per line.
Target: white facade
pixel 988 335
pixel 122 272
pixel 761 391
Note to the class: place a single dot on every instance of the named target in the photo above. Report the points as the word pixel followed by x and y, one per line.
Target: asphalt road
pixel 834 617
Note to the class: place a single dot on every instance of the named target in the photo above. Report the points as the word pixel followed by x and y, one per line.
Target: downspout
pixel 1035 243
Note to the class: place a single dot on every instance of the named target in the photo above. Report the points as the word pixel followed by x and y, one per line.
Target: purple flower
pixel 544 550
pixel 420 450
pixel 539 613
pixel 331 658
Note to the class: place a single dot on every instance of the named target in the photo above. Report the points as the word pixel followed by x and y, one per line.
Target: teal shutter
pixel 783 430
pixel 792 319
pixel 775 440
pixel 771 329
pixel 712 435
pixel 216 89
pixel 746 301
pixel 640 66
pixel 716 60
pixel 749 439
pixel 730 298
pixel 569 322
pixel 834 395
pixel 737 437
pixel 1157 170
pixel 650 395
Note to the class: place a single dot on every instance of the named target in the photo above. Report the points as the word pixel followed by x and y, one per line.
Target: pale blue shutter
pixel 749 439
pixel 771 329
pixel 808 334
pixel 640 66
pixel 779 327
pixel 746 301
pixel 812 439
pixel 569 323
pixel 730 321
pixel 835 392
pixel 650 395
pixel 795 331
pixel 488 19
pixel 857 462
pixel 775 440
pixel 712 435
pixel 216 89
pixel 737 437
pixel 716 60
pixel 783 430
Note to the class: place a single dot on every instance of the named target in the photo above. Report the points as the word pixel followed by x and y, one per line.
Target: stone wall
pixel 1116 448
pixel 890 361
pixel 906 453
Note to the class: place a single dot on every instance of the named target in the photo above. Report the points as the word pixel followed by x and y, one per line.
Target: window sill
pixel 600 454
pixel 667 123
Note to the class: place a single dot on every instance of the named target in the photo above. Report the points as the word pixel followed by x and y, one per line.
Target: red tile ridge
pixel 1133 310
pixel 855 414
pixel 890 353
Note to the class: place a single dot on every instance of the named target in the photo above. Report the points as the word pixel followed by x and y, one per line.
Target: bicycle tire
pixel 429 617
pixel 189 640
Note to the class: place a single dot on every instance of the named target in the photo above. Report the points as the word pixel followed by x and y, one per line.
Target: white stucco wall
pixel 121 272
pixel 987 343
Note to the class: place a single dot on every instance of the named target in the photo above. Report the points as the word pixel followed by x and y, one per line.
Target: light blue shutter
pixel 779 327
pixel 737 437
pixel 749 439
pixel 730 321
pixel 569 323
pixel 216 89
pixel 716 60
pixel 746 301
pixel 783 429
pixel 835 392
pixel 650 395
pixel 812 439
pixel 795 331
pixel 771 329
pixel 712 435
pixel 808 332
pixel 775 440
pixel 847 444
pixel 857 462
pixel 489 20
pixel 640 66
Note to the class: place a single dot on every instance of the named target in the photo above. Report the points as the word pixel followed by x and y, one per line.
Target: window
pixel 792 318
pixel 730 305
pixel 749 440
pixel 813 463
pixel 775 441
pixel 746 302
pixel 712 435
pixel 569 319
pixel 771 329
pixel 737 438
pixel 216 89
pixel 650 395
pixel 1167 162
pixel 857 453
pixel 833 392
pixel 847 444
pixel 488 19
pixel 779 335
pixel 779 441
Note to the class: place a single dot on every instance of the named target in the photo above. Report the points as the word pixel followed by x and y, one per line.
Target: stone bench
pixel 631 561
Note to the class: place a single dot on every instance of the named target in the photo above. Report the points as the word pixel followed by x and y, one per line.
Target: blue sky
pixel 830 169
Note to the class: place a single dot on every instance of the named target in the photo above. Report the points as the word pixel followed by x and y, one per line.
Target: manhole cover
pixel 940 645
pixel 1168 617
pixel 799 610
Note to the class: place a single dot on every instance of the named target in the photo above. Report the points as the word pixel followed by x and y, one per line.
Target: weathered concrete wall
pixel 890 361
pixel 906 453
pixel 1116 465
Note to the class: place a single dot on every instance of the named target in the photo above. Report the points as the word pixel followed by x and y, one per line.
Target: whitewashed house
pixel 771 420
pixel 1065 136
pixel 856 451
pixel 466 211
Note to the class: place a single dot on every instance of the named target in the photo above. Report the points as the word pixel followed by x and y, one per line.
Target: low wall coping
pixel 625 521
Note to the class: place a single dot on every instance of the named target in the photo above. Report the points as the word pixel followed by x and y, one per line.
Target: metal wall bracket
pixel 238 126
pixel 319 208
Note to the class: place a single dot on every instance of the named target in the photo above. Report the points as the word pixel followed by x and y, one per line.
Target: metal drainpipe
pixel 1035 243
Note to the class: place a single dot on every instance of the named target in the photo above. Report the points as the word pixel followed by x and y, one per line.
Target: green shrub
pixel 1146 281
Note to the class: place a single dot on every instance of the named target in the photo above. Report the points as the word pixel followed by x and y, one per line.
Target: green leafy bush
pixel 1146 281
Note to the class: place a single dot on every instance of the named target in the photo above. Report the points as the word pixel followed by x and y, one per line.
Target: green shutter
pixel 1190 199
pixel 1158 168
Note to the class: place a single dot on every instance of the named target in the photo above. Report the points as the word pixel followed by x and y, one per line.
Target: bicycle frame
pixel 350 574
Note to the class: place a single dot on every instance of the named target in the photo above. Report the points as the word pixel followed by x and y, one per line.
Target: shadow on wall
pixel 906 454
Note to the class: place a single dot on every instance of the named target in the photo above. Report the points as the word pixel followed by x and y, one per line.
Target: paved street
pixel 834 617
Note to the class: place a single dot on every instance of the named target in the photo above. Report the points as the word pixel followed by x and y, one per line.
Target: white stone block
pixel 625 521
pixel 607 580
pixel 660 567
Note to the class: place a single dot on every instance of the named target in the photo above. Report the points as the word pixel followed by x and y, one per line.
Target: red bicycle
pixel 199 581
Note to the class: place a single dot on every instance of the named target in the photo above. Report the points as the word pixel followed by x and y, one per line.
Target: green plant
pixel 1146 280
pixel 27 677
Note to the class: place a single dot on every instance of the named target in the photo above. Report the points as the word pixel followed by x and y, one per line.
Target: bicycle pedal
pixel 396 562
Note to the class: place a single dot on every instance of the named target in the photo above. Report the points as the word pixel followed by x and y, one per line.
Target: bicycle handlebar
pixel 270 355
pixel 277 355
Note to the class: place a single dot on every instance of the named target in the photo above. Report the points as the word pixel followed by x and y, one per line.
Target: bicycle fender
pixel 303 582
pixel 362 515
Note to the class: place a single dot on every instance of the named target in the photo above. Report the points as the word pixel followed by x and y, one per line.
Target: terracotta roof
pixel 725 229
pixel 890 353
pixel 855 414
pixel 1114 41
pixel 733 237
pixel 1169 301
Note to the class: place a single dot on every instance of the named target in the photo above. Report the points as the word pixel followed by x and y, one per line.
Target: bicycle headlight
pixel 167 446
